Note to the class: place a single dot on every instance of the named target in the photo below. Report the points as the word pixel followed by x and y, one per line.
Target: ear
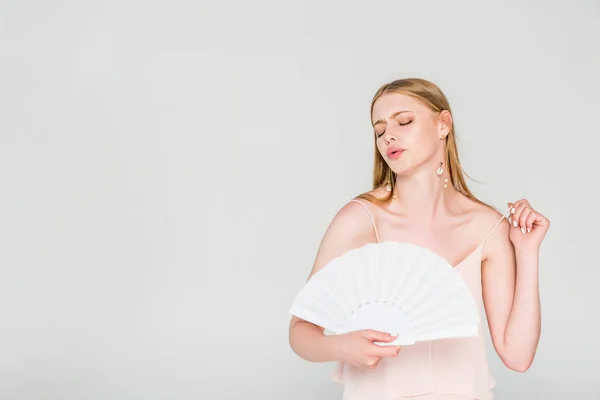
pixel 444 124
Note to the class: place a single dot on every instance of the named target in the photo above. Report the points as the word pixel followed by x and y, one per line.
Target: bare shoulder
pixel 483 220
pixel 491 221
pixel 350 227
pixel 487 216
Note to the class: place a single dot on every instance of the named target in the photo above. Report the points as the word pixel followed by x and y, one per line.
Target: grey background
pixel 168 170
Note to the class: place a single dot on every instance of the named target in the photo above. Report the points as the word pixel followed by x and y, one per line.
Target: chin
pixel 401 169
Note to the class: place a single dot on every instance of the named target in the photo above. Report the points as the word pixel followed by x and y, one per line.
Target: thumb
pixel 378 336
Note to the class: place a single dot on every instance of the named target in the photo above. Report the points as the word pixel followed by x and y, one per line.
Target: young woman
pixel 420 196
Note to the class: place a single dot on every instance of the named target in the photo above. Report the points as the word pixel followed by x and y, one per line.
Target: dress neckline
pixel 456 265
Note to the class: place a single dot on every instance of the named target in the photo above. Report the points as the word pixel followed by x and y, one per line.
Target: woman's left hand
pixel 528 226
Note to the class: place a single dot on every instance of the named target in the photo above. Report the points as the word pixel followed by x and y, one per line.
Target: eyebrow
pixel 392 116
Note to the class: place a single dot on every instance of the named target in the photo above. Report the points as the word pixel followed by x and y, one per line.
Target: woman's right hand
pixel 357 348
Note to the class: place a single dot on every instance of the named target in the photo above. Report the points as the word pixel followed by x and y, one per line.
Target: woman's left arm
pixel 511 288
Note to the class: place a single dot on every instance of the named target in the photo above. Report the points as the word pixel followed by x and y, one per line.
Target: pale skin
pixel 427 214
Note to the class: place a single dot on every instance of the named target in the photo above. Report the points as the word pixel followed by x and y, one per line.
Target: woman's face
pixel 408 133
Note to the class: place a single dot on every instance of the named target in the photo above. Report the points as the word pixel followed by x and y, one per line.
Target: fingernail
pixel 528 230
pixel 515 223
pixel 523 231
pixel 512 210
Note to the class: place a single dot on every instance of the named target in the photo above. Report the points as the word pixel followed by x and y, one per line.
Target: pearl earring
pixel 440 170
pixel 388 188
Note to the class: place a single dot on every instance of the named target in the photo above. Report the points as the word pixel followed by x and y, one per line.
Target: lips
pixel 394 152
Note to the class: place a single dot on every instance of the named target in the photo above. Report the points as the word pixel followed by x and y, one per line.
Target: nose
pixel 389 136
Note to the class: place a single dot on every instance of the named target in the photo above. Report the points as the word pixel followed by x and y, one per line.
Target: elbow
pixel 523 367
pixel 295 338
pixel 517 358
pixel 292 341
pixel 518 364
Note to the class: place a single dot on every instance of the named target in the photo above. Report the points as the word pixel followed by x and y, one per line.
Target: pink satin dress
pixel 447 369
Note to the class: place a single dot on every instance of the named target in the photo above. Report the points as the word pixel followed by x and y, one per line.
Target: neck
pixel 422 195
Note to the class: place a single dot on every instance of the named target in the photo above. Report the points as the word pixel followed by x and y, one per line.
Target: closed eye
pixel 380 134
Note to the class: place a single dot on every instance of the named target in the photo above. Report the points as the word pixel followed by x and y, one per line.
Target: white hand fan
pixel 394 287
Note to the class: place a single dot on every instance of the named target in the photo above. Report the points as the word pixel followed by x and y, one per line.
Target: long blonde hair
pixel 431 96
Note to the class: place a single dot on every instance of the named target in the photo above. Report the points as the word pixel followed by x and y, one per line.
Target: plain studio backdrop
pixel 169 168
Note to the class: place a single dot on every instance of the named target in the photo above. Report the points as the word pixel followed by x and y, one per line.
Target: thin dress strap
pixel 371 215
pixel 493 229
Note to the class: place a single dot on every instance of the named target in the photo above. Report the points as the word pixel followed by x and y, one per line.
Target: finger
pixel 512 209
pixel 385 351
pixel 378 336
pixel 542 221
pixel 521 201
pixel 513 216
pixel 373 363
pixel 531 218
pixel 519 207
pixel 513 205
pixel 523 218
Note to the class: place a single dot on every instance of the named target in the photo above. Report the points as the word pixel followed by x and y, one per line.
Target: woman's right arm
pixel 350 228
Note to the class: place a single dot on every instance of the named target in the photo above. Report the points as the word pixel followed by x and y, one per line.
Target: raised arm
pixel 511 288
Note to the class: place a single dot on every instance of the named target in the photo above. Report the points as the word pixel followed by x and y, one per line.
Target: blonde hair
pixel 431 96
